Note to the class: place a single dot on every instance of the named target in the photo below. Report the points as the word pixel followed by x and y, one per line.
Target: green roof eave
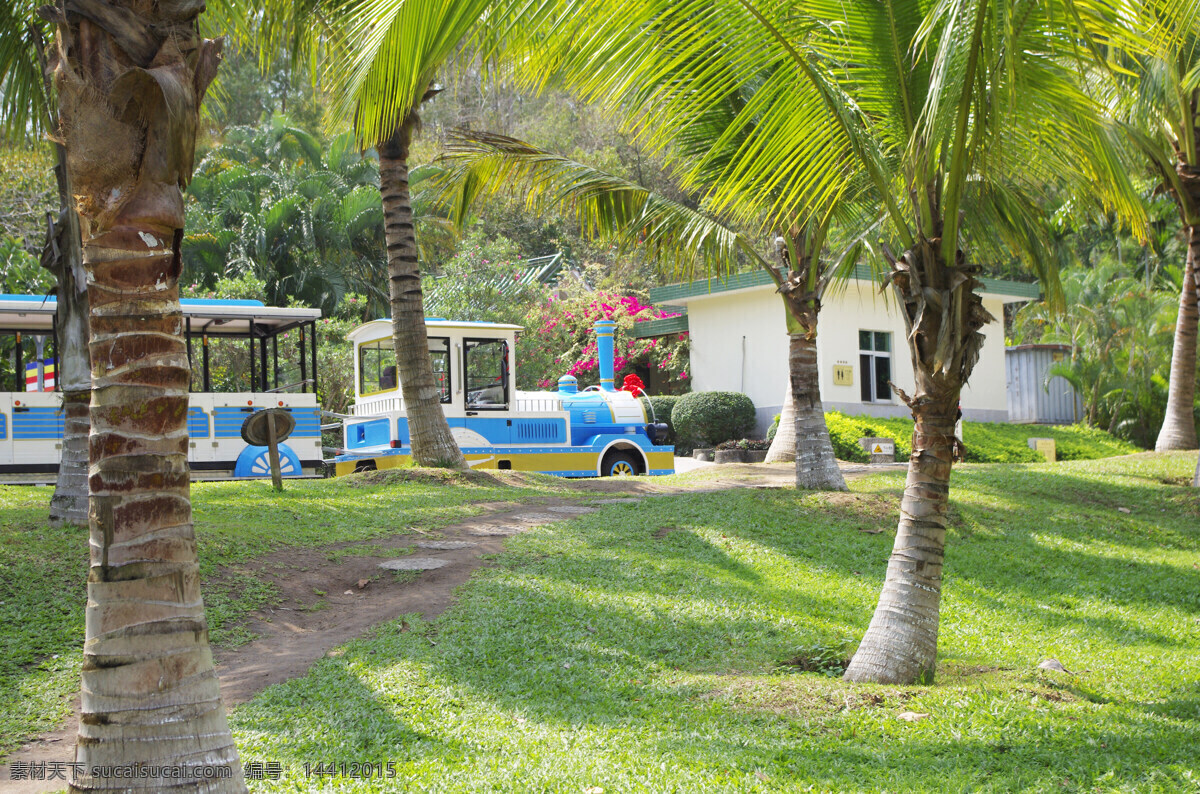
pixel 667 325
pixel 760 278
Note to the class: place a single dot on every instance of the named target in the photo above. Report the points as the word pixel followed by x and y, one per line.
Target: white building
pixel 739 343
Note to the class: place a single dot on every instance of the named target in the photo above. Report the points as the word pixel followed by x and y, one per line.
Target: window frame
pixel 505 375
pixel 873 356
pixel 449 398
pixel 361 380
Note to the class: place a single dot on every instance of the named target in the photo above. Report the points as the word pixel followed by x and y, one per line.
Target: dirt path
pixel 340 597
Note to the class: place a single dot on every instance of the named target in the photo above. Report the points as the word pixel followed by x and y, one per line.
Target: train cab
pixel 569 433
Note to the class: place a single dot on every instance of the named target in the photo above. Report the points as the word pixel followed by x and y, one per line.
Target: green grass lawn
pixel 43 586
pixel 639 648
pixel 644 646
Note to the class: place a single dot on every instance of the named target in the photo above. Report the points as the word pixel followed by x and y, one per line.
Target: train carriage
pixel 599 431
pixel 31 421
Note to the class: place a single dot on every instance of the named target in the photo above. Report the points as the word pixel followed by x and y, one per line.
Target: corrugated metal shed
pixel 1030 399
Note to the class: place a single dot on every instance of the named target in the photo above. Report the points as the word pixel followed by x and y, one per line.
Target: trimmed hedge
pixel 706 418
pixel 986 442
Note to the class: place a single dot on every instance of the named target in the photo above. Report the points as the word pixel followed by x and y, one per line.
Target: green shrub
pixel 986 442
pixel 774 428
pixel 706 418
pixel 658 409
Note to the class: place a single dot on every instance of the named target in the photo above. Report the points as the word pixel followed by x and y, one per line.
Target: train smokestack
pixel 605 329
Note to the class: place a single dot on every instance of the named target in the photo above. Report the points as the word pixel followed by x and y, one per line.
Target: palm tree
pixel 1161 82
pixel 383 58
pixel 26 105
pixel 955 112
pixel 130 78
pixel 301 215
pixel 679 238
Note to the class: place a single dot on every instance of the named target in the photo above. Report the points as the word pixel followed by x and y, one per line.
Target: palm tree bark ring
pixel 130 77
pixel 432 442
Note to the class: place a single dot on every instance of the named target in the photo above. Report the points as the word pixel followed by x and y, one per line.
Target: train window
pixel 439 357
pixel 376 367
pixel 486 366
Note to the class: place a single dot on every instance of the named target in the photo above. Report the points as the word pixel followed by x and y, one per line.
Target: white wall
pixel 721 361
pixel 740 343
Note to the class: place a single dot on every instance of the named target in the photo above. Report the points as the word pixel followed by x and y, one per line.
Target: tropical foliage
pixel 302 216
pixel 485 281
pixel 560 339
pixel 1119 331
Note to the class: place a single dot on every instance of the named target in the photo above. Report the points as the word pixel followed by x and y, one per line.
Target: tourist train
pixel 599 431
pixel 31 417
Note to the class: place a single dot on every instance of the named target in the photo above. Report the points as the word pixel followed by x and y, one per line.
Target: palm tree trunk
pixel 1179 425
pixel 816 466
pixel 943 315
pixel 432 443
pixel 900 646
pixel 130 79
pixel 783 446
pixel 63 256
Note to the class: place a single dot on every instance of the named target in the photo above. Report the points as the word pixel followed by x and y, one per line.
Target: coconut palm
pixel 383 57
pixel 1160 82
pixel 27 107
pixel 955 112
pixel 130 78
pixel 300 215
pixel 679 238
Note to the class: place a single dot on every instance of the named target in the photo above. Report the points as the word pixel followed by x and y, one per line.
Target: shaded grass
pixel 43 586
pixel 603 652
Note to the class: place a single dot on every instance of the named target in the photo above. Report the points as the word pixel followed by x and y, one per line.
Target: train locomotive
pixel 596 432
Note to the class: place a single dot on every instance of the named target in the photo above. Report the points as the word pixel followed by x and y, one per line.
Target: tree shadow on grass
pixel 329 715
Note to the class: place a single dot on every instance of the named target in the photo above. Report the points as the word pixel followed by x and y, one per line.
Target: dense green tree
pixel 1158 79
pixel 301 215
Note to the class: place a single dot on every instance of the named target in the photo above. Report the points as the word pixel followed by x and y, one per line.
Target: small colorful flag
pixel 49 381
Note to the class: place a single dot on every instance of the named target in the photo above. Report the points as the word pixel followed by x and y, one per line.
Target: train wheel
pixel 619 464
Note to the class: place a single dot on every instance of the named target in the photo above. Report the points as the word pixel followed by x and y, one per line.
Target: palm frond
pixel 606 206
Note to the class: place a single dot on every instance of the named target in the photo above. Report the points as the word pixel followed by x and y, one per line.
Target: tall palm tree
pixel 26 106
pixel 954 111
pixel 130 77
pixel 384 56
pixel 679 238
pixel 1161 83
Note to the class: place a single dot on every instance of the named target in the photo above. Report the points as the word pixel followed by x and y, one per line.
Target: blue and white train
pixel 31 419
pixel 592 433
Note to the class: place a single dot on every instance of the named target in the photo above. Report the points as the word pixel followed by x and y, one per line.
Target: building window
pixel 875 365
pixel 486 373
